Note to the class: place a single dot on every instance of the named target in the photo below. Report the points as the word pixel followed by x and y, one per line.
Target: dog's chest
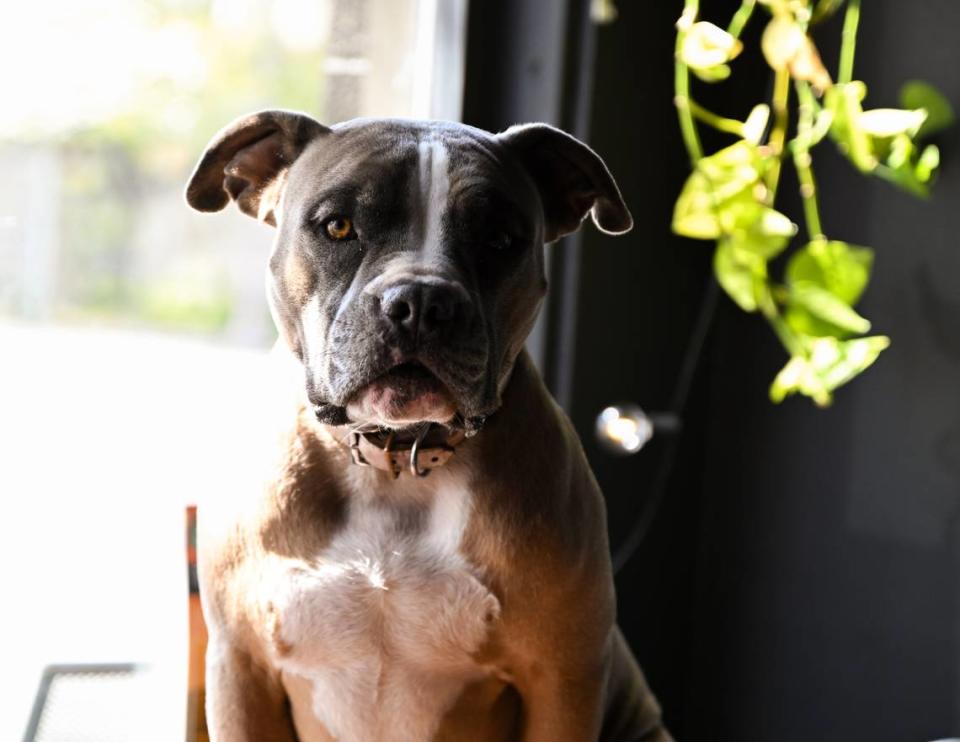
pixel 382 627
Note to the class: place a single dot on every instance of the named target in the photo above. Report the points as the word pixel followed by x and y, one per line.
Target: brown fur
pixel 338 596
pixel 559 669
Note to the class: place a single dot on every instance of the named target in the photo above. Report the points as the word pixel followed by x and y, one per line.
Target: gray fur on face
pixel 440 205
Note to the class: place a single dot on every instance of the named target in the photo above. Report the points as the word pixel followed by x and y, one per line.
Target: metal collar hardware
pixel 429 448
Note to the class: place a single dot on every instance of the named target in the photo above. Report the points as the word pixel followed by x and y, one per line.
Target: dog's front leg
pixel 244 703
pixel 562 709
pixel 562 679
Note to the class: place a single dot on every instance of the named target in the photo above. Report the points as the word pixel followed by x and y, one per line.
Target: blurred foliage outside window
pixel 108 104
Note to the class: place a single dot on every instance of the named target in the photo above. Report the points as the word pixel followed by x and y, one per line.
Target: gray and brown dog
pixel 359 599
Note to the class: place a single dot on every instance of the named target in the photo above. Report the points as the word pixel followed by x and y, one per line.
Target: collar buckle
pixel 383 451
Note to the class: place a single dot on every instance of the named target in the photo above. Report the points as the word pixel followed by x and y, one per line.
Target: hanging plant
pixel 730 195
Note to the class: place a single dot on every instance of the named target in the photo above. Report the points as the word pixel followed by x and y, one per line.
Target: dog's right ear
pixel 247 161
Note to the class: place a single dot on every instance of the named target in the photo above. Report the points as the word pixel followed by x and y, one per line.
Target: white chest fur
pixel 383 624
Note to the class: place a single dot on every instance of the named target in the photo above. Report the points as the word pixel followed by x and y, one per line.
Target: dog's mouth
pixel 407 393
pixel 412 372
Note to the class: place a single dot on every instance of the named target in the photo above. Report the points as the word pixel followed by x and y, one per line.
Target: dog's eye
pixel 339 228
pixel 501 241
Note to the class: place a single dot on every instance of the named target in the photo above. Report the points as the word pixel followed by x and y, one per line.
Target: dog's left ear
pixel 571 178
pixel 247 161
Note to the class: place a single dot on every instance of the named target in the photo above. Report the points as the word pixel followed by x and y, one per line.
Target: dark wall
pixel 801 579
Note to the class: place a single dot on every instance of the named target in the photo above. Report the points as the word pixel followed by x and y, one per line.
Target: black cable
pixel 688 369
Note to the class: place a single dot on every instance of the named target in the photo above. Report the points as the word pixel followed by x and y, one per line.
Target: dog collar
pixel 428 448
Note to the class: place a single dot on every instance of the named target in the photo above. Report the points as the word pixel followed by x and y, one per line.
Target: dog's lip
pixel 433 372
pixel 407 392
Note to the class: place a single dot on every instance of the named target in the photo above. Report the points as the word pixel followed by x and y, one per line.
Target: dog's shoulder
pixel 539 519
pixel 284 507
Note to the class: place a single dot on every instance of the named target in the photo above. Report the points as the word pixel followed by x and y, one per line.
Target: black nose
pixel 424 310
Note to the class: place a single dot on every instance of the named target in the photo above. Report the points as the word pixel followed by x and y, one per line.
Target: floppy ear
pixel 571 178
pixel 247 161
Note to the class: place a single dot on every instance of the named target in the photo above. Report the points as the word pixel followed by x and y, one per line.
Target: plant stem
pixel 681 85
pixel 741 17
pixel 801 160
pixel 731 126
pixel 778 135
pixel 849 44
pixel 790 342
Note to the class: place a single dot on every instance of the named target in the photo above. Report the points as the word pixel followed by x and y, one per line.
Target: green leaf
pixel 828 364
pixel 795 377
pixel 903 178
pixel 918 94
pixel 716 73
pixel 732 169
pixel 705 47
pixel 901 150
pixel 905 168
pixel 835 267
pixel 752 216
pixel 755 228
pixel 694 214
pixel 741 274
pixel 927 163
pixel 756 123
pixel 824 9
pixel 889 122
pixel 841 269
pixel 826 306
pixel 881 141
pixel 803 322
pixel 844 102
pixel 722 178
pixel 838 362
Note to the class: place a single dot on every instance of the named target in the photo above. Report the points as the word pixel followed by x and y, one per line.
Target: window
pixel 130 326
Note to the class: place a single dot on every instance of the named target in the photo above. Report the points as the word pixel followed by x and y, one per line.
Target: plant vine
pixel 730 195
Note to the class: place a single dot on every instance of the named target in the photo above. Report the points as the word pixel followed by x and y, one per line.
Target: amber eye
pixel 339 228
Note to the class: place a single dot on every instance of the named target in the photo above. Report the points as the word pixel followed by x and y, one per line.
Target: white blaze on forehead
pixel 434 189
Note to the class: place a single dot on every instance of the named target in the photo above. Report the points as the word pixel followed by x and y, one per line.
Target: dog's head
pixel 408 264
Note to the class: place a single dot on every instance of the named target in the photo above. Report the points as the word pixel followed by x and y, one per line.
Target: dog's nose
pixel 423 310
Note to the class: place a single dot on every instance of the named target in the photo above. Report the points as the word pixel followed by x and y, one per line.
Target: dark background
pixel 800 578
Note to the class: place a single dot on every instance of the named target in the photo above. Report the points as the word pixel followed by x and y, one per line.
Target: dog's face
pixel 408 266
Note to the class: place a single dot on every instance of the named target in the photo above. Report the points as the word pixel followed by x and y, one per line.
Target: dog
pixel 427 556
